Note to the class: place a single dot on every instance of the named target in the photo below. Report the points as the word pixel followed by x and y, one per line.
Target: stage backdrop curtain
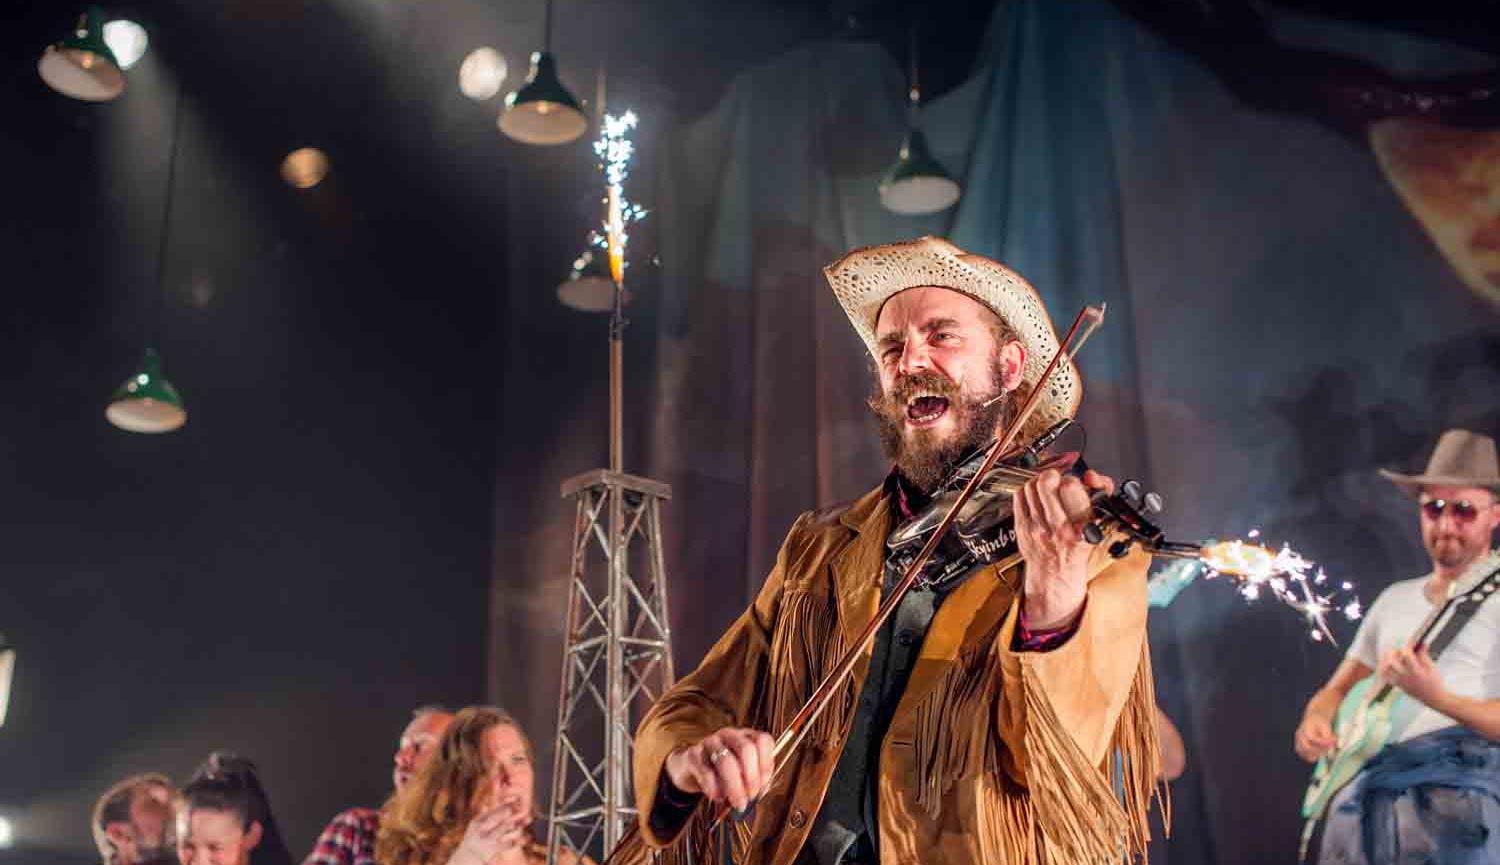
pixel 1278 326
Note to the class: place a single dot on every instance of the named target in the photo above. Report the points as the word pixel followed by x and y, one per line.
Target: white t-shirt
pixel 1470 665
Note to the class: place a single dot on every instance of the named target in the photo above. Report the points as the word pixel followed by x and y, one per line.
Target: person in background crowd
pixel 349 838
pixel 132 822
pixel 474 802
pixel 224 817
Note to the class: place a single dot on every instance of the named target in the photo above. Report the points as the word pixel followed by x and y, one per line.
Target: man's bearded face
pixel 939 362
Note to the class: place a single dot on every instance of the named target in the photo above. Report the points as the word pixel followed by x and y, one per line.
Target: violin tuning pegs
pixel 1093 534
pixel 1153 503
pixel 1118 549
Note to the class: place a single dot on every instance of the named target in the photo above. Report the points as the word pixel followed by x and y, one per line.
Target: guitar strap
pixel 1464 611
pixel 1461 615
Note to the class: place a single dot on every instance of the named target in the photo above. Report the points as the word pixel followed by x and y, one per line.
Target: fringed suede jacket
pixel 993 755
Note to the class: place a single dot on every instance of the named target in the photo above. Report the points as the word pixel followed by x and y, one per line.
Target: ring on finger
pixel 718 754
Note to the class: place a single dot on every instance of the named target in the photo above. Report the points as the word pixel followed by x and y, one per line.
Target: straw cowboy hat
pixel 1461 459
pixel 866 278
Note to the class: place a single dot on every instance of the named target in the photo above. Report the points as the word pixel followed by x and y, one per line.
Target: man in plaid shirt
pixel 349 838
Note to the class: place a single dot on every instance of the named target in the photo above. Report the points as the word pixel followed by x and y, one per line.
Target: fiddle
pixel 983 528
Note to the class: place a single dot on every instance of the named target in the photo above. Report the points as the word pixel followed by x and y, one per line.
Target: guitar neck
pixel 1467 602
pixel 1417 639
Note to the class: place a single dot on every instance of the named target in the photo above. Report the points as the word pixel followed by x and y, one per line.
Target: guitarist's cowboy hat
pixel 1461 459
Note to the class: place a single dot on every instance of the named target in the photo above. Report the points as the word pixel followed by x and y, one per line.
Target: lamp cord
pixel 166 220
pixel 547 27
pixel 914 93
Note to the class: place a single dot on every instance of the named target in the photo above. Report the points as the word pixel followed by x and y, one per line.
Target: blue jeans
pixel 1431 800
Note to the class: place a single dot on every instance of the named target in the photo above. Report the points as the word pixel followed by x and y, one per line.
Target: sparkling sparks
pixel 615 150
pixel 1285 575
pixel 615 147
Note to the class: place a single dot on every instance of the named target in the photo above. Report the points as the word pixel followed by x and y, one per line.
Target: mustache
pixel 907 386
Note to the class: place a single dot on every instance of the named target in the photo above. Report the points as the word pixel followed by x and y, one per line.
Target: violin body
pixel 983 527
pixel 983 530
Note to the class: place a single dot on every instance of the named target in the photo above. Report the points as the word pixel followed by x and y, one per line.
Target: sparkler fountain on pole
pixel 616 150
pixel 617 652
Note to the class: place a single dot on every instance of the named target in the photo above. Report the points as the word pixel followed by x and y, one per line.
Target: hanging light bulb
pixel 543 111
pixel 82 65
pixel 917 183
pixel 304 167
pixel 482 73
pixel 128 40
pixel 147 402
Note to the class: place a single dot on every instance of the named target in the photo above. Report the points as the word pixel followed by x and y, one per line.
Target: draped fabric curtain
pixel 1278 326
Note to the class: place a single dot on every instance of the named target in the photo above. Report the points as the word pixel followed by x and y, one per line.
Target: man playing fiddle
pixel 1432 793
pixel 1000 708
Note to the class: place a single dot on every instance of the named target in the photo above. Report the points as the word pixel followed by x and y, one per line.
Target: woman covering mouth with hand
pixel 473 803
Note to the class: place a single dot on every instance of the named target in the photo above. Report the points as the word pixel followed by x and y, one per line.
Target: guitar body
pixel 1363 724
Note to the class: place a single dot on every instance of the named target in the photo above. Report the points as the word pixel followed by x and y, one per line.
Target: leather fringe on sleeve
pixel 951 724
pixel 1070 812
pixel 807 643
pixel 697 845
pixel 1084 813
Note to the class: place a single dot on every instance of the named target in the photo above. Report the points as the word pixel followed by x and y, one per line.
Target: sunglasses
pixel 1462 510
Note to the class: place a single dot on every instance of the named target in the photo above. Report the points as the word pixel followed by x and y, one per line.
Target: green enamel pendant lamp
pixel 147 402
pixel 82 65
pixel 917 184
pixel 543 111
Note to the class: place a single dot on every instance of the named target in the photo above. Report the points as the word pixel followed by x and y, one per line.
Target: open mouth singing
pixel 925 409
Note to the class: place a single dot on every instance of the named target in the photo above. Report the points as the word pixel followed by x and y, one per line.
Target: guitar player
pixel 1432 792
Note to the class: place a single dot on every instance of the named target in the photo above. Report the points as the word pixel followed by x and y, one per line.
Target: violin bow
pixel 1084 324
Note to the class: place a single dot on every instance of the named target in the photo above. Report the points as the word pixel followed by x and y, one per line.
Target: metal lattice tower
pixel 617 656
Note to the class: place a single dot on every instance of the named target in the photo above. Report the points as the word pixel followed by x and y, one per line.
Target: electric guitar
pixel 1168 582
pixel 1364 717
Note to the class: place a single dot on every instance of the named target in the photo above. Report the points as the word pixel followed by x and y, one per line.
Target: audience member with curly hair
pixel 473 804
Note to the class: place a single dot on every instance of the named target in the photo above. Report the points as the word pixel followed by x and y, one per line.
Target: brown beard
pixel 924 461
